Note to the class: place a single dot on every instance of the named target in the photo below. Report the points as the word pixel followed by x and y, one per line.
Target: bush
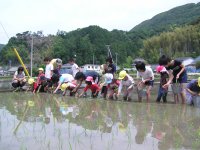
pixel 198 65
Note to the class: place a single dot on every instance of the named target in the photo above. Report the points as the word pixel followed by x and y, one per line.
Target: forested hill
pixel 166 21
pixel 1 46
pixel 145 40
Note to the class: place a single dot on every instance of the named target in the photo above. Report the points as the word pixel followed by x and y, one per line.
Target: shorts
pixel 149 83
pixel 181 79
pixel 104 90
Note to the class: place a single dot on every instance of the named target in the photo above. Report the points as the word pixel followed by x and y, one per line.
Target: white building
pixel 91 67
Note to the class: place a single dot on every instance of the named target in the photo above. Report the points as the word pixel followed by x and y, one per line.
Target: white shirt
pixel 66 78
pixel 126 83
pixel 22 75
pixel 148 73
pixel 75 69
pixel 48 69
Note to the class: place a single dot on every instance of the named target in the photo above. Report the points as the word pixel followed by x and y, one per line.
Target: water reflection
pixel 51 122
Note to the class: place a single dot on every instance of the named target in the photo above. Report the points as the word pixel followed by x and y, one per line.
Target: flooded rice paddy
pixel 45 121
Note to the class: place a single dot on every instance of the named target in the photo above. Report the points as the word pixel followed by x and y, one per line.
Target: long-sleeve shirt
pixel 38 78
pixel 126 83
pixel 94 87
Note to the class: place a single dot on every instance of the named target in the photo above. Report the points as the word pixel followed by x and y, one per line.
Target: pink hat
pixel 160 69
pixel 89 78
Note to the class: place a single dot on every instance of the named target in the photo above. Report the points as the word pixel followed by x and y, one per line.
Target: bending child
pixel 126 83
pixel 192 90
pixel 177 74
pixel 37 86
pixel 147 79
pixel 92 86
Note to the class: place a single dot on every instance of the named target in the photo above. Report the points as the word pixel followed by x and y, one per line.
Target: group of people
pixel 109 85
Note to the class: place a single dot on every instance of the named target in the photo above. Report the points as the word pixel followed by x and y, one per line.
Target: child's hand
pixel 177 76
pixel 76 95
pixel 118 94
pixel 95 94
pixel 74 90
pixel 166 85
pixel 194 94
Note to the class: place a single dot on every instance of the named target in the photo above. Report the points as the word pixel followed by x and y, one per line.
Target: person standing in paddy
pixel 147 79
pixel 111 68
pixel 75 67
pixel 48 69
pixel 164 76
pixel 126 83
pixel 177 74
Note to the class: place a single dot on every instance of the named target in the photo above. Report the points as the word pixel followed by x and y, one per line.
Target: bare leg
pixel 148 93
pixel 176 100
pixel 182 94
pixel 139 97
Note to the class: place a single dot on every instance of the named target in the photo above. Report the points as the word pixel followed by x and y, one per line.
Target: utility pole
pixel 116 58
pixel 93 59
pixel 109 52
pixel 32 56
pixel 160 52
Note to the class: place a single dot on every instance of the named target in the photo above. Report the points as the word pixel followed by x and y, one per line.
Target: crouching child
pixel 40 83
pixel 92 86
pixel 112 86
pixel 126 83
pixel 192 90
pixel 68 86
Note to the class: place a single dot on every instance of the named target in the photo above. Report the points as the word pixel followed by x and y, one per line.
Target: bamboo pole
pixel 21 62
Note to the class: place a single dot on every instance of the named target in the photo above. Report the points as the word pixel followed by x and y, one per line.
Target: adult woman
pixel 19 79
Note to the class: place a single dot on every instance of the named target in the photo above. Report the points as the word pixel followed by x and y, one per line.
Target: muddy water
pixel 44 121
pixel 5 85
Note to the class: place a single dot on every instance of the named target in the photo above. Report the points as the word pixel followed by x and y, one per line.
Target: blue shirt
pixel 193 86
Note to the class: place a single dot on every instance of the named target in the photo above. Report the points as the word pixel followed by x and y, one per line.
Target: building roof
pixel 183 58
pixel 91 65
pixel 196 59
pixel 12 69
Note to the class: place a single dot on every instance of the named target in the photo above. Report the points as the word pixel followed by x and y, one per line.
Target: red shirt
pixel 94 87
pixel 38 78
pixel 114 84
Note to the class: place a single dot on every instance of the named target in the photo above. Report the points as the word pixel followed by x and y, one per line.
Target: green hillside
pixel 176 32
pixel 1 46
pixel 168 20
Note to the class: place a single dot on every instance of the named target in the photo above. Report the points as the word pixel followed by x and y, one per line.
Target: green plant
pixel 198 64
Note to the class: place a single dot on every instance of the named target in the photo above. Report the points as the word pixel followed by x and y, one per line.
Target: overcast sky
pixel 52 15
